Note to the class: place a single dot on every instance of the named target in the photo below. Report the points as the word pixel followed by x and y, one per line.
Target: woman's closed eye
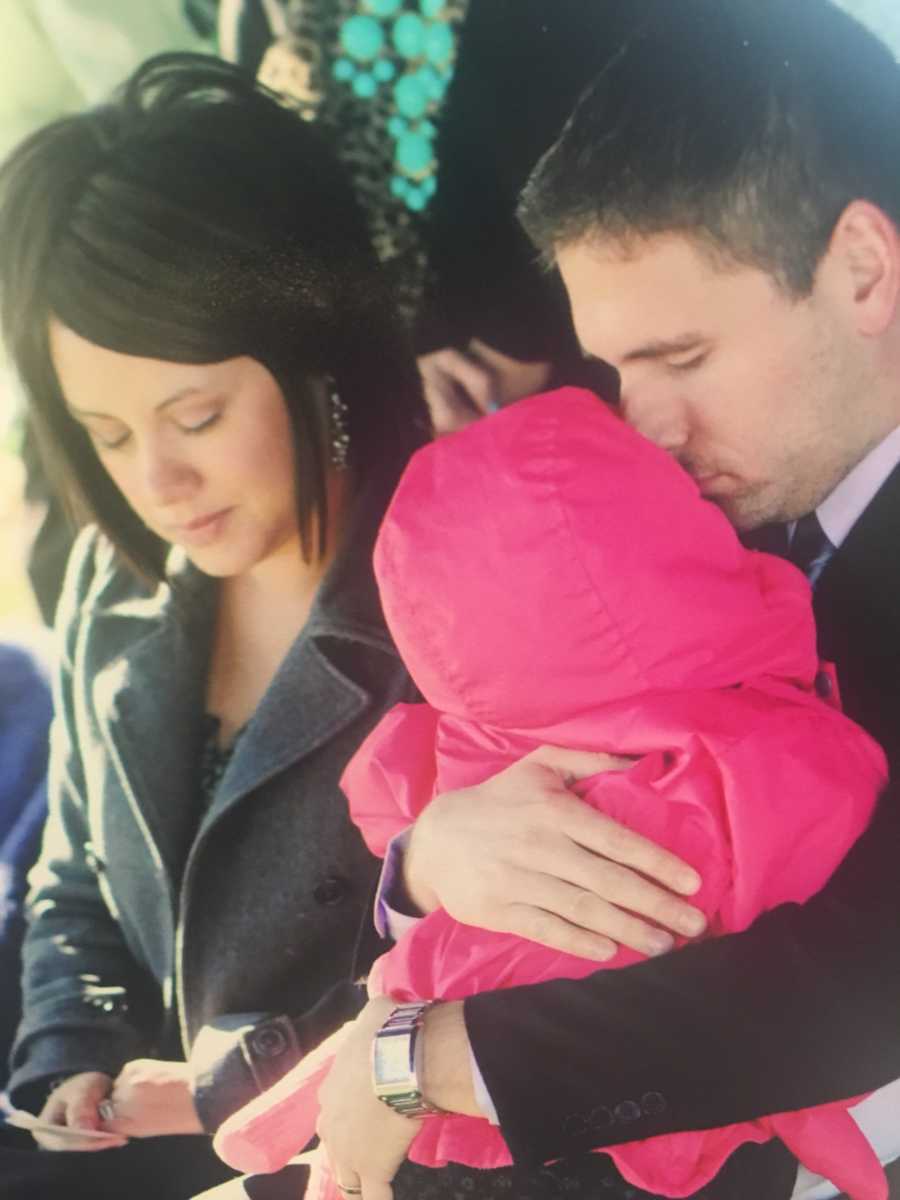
pixel 196 423
pixel 107 439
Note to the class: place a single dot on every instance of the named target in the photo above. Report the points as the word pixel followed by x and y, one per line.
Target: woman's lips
pixel 202 530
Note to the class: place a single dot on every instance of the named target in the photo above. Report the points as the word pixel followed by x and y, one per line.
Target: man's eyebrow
pixel 181 394
pixel 662 347
pixel 659 348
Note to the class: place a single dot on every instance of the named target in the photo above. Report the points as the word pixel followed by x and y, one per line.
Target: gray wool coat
pixel 150 917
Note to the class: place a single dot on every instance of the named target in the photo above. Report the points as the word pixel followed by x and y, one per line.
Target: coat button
pixel 331 890
pixel 627 1111
pixel 653 1103
pixel 268 1043
pixel 602 1118
pixel 575 1126
pixel 823 685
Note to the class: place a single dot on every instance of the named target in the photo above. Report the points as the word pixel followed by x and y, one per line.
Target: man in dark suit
pixel 724 207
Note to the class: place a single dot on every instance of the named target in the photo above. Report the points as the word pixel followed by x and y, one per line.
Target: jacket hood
pixel 549 560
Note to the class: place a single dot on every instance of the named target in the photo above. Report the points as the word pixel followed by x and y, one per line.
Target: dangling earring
pixel 340 434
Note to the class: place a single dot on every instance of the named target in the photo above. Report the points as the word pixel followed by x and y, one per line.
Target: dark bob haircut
pixel 194 219
pixel 748 125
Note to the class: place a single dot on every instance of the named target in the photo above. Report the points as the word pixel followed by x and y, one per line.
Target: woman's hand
pixel 365 1141
pixel 151 1098
pixel 73 1105
pixel 463 385
pixel 521 854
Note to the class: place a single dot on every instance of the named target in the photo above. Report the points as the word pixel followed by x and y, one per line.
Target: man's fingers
pixel 606 902
pixel 585 826
pixel 606 837
pixel 549 929
pixel 603 917
pixel 574 765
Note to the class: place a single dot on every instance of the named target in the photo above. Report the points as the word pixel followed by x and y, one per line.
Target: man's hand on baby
pixel 521 854
pixel 151 1098
pixel 72 1106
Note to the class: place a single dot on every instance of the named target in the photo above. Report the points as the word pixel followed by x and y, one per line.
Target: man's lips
pixel 714 484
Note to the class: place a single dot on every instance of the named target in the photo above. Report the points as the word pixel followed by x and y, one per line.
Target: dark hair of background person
pixel 807 119
pixel 194 219
pixel 482 277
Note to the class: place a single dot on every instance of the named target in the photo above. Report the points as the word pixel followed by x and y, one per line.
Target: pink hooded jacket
pixel 550 576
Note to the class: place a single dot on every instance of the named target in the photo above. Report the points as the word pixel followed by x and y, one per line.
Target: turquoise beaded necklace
pixel 411 52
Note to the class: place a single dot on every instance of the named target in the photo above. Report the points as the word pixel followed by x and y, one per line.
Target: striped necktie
pixel 809 547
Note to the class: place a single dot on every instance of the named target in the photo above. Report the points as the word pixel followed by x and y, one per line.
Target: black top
pixel 214 758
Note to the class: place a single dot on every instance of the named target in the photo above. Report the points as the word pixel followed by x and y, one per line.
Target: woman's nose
pixel 167 477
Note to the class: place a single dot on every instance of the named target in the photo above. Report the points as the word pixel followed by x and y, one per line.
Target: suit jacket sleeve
pixel 798 1010
pixel 87 1003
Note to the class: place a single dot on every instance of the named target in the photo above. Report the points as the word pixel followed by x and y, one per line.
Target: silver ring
pixel 106 1110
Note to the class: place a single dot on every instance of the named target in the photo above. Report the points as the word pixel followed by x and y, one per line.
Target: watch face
pixel 391 1059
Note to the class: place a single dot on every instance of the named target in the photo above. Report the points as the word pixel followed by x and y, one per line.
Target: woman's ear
pixel 864 255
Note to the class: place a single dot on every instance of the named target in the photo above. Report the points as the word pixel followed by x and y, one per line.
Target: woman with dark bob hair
pixel 220 389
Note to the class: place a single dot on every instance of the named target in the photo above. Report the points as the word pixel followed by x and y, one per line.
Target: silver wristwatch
pixel 397 1061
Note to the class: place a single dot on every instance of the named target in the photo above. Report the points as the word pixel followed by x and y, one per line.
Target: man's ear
pixel 865 253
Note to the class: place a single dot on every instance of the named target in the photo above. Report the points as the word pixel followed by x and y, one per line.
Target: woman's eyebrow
pixel 181 394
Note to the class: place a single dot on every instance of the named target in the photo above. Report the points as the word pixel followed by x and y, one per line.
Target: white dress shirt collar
pixel 840 511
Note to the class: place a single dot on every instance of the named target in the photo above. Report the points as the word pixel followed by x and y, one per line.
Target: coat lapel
pixel 312 698
pixel 150 699
pixel 307 703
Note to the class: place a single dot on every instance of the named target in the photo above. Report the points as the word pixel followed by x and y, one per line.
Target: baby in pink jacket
pixel 551 577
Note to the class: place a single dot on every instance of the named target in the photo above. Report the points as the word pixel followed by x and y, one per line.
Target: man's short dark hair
pixel 747 124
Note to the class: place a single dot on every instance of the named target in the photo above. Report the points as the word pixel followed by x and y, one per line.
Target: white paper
pixel 20 1119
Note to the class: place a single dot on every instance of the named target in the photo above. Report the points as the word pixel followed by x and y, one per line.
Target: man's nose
pixel 660 416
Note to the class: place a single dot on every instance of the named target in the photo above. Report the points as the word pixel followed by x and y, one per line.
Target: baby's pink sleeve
pixel 274 1126
pixel 798 792
pixel 392 775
